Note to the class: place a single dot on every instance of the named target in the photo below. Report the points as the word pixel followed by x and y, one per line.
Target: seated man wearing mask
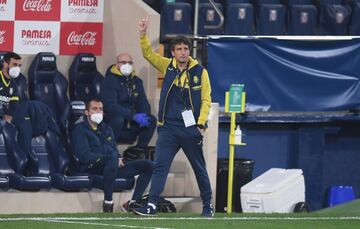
pixel 31 118
pixel 125 104
pixel 94 144
pixel 10 70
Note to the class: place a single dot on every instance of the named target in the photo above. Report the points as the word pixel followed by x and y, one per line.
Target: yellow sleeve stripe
pixel 14 98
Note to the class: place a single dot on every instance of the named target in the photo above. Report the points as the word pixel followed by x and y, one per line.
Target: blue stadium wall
pixel 303 101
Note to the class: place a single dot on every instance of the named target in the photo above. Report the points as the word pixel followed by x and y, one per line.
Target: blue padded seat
pixel 84 78
pixel 268 2
pixel 271 19
pixel 227 2
pixel 354 29
pixel 21 88
pixel 335 19
pixel 332 2
pixel 47 84
pixel 175 20
pixel 13 162
pixel 300 2
pixel 53 161
pixel 302 20
pixel 239 19
pixel 208 16
pixel 121 184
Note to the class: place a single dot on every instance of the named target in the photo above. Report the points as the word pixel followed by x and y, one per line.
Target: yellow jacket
pixel 161 63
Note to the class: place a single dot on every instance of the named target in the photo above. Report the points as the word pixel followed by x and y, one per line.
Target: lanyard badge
pixel 188 118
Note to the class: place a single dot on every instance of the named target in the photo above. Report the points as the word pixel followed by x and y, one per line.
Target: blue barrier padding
pixel 287 75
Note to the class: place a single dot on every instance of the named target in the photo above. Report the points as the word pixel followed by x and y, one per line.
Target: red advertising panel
pixel 38 10
pixel 80 37
pixel 6 35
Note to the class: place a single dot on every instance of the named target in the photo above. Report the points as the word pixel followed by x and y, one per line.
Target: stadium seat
pixel 271 19
pixel 227 2
pixel 84 78
pixel 13 163
pixel 332 2
pixel 208 16
pixel 355 19
pixel 302 20
pixel 300 2
pixel 21 88
pixel 175 20
pixel 207 1
pixel 239 19
pixel 261 2
pixel 335 19
pixel 54 162
pixel 47 84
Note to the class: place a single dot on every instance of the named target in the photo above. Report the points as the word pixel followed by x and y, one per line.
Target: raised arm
pixel 154 58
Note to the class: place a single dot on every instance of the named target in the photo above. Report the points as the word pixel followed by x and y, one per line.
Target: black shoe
pixel 129 206
pixel 208 211
pixel 146 210
pixel 108 208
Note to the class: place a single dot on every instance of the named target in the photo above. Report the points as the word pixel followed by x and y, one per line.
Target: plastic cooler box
pixel 276 190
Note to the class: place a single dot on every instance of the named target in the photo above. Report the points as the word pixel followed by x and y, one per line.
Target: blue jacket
pixel 194 90
pixel 92 145
pixel 123 95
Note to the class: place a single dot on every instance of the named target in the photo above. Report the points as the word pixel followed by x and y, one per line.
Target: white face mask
pixel 14 72
pixel 126 69
pixel 96 117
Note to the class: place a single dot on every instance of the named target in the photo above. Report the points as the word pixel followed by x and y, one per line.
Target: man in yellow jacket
pixel 184 106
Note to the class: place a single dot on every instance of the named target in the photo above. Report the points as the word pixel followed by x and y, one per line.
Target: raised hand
pixel 143 25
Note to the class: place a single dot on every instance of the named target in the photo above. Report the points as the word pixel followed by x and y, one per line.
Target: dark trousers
pixel 22 121
pixel 110 170
pixel 125 134
pixel 170 140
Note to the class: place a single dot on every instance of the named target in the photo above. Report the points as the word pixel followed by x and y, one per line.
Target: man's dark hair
pixel 12 55
pixel 180 40
pixel 87 107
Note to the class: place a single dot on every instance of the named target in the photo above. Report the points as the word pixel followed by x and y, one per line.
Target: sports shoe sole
pixel 143 214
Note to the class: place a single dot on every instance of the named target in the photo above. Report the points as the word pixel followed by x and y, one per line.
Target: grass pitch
pixel 342 216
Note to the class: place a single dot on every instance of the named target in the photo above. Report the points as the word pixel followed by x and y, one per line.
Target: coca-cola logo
pixel 37 5
pixel 86 39
pixel 2 36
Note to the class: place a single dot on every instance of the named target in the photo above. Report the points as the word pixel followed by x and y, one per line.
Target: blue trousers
pixel 170 140
pixel 110 170
pixel 128 135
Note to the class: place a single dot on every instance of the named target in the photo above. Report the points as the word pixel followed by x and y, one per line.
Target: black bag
pixel 163 205
pixel 139 153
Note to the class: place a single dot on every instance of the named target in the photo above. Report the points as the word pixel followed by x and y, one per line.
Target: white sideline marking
pixel 100 224
pixel 177 218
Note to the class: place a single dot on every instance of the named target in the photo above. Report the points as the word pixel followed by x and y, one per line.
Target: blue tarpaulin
pixel 287 75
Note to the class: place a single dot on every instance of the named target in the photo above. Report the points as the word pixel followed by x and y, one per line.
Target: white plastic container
pixel 276 190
